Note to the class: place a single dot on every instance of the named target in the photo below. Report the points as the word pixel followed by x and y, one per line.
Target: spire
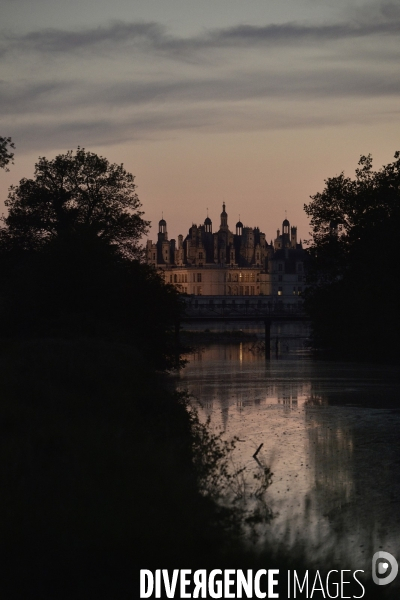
pixel 285 226
pixel 239 227
pixel 224 218
pixel 208 224
pixel 162 225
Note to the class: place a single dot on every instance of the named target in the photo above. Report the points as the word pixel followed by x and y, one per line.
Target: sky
pixel 249 102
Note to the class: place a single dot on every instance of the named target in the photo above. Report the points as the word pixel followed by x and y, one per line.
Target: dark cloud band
pixel 152 36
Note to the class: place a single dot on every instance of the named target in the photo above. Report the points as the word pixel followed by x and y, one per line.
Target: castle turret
pixel 162 226
pixel 285 233
pixel 224 218
pixel 208 225
pixel 293 237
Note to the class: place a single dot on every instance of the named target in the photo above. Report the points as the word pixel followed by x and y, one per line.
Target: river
pixel 331 436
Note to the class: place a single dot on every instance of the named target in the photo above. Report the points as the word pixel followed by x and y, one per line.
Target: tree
pixel 354 287
pixel 69 260
pixel 76 192
pixel 80 287
pixel 5 155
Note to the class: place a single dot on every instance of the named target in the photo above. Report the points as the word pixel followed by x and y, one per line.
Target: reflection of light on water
pixel 335 467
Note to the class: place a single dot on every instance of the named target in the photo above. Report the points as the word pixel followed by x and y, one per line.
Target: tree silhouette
pixel 354 287
pixel 76 192
pixel 69 259
pixel 6 156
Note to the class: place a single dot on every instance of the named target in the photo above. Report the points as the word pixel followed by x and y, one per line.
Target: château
pixel 224 263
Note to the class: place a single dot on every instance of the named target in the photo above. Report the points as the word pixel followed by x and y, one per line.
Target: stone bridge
pixel 243 308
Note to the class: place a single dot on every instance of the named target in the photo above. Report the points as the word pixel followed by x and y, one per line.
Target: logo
pixel 384 568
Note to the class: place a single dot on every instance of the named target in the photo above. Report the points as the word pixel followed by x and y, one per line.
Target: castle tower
pixel 285 233
pixel 293 237
pixel 224 218
pixel 162 231
pixel 162 226
pixel 163 246
pixel 285 227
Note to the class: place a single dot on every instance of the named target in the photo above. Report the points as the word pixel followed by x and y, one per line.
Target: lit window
pixel 279 291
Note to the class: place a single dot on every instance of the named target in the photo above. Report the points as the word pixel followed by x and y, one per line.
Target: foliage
pixel 353 294
pixel 6 156
pixel 96 472
pixel 69 265
pixel 76 192
pixel 348 210
pixel 81 287
pixel 210 456
pixel 221 480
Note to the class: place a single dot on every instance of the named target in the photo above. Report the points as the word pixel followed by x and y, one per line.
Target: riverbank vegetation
pixel 103 469
pixel 353 289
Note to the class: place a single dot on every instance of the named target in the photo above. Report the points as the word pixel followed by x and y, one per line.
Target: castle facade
pixel 224 263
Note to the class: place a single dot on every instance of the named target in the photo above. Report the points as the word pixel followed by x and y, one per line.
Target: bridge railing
pixel 230 307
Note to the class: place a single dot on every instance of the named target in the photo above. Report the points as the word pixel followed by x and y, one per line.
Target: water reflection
pixel 330 433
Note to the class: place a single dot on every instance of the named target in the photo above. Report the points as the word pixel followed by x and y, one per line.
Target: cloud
pixel 154 37
pixel 375 11
pixel 139 96
pixel 61 41
pixel 102 128
pixel 72 96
